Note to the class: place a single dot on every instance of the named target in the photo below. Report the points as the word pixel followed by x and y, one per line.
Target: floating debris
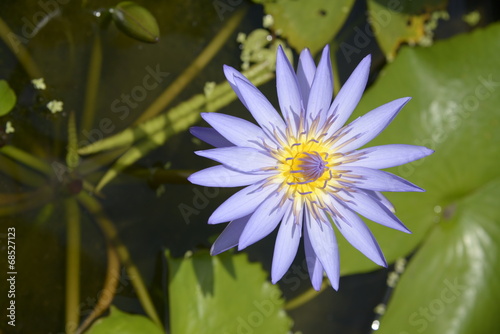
pixel 9 128
pixel 39 83
pixel 267 21
pixel 472 18
pixel 55 106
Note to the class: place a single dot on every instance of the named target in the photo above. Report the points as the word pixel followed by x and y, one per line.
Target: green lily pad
pixel 455 86
pixel 7 98
pixel 123 323
pixel 395 22
pixel 223 294
pixel 451 286
pixel 307 23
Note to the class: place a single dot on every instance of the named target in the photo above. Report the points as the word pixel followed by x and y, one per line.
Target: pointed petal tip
pixel 305 52
pixel 227 69
pixel 428 151
pixel 366 62
pixel 404 229
pixel 280 54
pixel 335 284
pixel 381 261
pixel 395 106
pixel 326 54
pixel 212 252
pixel 212 220
pixel 402 101
pixel 414 187
pixel 281 57
pixel 229 72
pixel 207 116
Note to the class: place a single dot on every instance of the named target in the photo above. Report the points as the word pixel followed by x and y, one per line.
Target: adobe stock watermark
pixel 296 274
pixel 123 105
pixel 453 115
pixel 225 6
pixel 119 106
pixel 430 312
pixel 200 201
pixel 377 20
pixel 48 10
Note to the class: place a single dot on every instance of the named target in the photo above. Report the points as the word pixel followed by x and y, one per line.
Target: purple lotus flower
pixel 304 168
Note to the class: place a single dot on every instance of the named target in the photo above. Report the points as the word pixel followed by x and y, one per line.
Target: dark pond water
pixel 60 40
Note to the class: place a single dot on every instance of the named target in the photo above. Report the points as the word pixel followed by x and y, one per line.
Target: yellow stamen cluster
pixel 306 167
pixel 309 167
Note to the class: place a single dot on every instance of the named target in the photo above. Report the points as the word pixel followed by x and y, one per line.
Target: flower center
pixel 307 167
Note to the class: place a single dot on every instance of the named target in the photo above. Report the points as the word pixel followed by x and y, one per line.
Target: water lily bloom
pixel 304 168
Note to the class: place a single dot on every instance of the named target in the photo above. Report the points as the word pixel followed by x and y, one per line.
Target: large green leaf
pixel 307 23
pixel 451 286
pixel 455 88
pixel 223 294
pixel 7 98
pixel 123 323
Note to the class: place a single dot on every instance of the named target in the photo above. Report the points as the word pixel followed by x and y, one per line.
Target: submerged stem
pixel 176 120
pixel 20 173
pixel 92 83
pixel 26 159
pixel 98 161
pixel 13 203
pixel 72 158
pixel 17 47
pixel 111 234
pixel 109 289
pixel 72 265
pixel 221 95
